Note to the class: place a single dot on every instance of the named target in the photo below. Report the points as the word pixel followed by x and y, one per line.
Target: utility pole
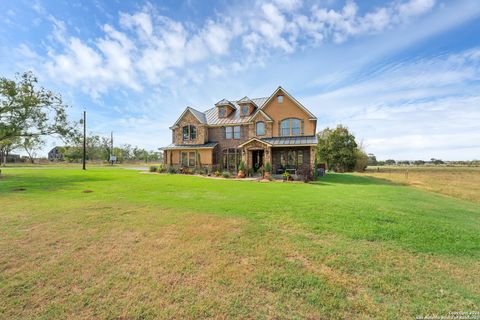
pixel 111 147
pixel 84 138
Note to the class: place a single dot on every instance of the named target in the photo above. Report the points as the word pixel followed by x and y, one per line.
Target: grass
pixel 460 182
pixel 169 246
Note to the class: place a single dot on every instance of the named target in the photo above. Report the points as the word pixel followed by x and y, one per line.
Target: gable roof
pixel 244 100
pixel 197 114
pixel 225 102
pixel 311 115
pixel 210 116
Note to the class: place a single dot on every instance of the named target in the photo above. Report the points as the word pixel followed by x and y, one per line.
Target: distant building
pixel 9 158
pixel 56 154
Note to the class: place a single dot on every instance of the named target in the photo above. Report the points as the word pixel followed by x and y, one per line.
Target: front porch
pixel 294 155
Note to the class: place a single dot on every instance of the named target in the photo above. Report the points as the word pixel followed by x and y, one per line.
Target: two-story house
pixel 276 129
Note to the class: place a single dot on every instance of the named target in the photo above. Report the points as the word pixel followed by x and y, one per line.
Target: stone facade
pixel 190 119
pixel 268 127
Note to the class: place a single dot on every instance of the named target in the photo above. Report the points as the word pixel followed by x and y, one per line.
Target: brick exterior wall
pixel 277 111
pixel 217 134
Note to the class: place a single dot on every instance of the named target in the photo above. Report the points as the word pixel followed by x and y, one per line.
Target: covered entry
pixel 255 153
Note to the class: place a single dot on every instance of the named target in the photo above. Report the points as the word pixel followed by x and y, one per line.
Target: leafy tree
pixel 372 160
pixel 361 160
pixel 390 162
pixel 6 146
pixel 337 147
pixel 32 145
pixel 27 110
pixel 436 161
pixel 419 162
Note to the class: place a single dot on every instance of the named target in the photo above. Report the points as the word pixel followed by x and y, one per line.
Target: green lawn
pixel 163 246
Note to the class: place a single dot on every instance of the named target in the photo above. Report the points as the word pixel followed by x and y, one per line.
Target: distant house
pixel 56 154
pixel 276 129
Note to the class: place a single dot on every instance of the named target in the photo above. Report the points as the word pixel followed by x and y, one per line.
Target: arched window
pixel 189 133
pixel 291 127
pixel 260 128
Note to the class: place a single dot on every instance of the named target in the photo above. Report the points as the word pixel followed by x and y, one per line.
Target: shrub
pixel 286 175
pixel 241 166
pixel 268 167
pixel 171 169
pixel 217 173
pixel 161 168
pixel 152 169
pixel 250 172
pixel 226 174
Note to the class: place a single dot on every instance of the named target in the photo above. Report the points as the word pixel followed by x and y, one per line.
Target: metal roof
pixel 174 146
pixel 210 116
pixel 291 141
pixel 200 115
pixel 235 117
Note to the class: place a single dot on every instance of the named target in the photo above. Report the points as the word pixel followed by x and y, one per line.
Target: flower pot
pixel 241 174
pixel 266 175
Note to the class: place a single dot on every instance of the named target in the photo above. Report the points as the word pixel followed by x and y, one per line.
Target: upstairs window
pixel 222 112
pixel 260 128
pixel 228 132
pixel 280 99
pixel 295 123
pixel 285 127
pixel 291 127
pixel 245 110
pixel 232 132
pixel 189 133
pixel 236 132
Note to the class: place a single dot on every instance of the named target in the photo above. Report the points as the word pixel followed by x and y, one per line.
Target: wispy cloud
pixel 147 47
pixel 417 109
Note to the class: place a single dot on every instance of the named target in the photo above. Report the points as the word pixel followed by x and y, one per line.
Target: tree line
pixel 29 113
pixel 99 148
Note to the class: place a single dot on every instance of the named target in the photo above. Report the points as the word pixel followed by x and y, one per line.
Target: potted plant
pixel 267 169
pixel 241 170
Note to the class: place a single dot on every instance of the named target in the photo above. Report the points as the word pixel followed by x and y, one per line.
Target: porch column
pixel 250 160
pixel 244 156
pixel 312 157
pixel 269 156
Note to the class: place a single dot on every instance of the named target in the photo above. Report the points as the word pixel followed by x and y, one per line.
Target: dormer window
pixel 245 110
pixel 189 133
pixel 222 111
pixel 280 99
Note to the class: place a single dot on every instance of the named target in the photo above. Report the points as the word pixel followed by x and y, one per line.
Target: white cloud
pixel 414 8
pixel 150 48
pixel 418 109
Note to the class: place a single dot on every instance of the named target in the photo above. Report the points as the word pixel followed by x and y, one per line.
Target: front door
pixel 257 159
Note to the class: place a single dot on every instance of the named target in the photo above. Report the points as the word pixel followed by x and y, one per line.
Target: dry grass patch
pixel 459 182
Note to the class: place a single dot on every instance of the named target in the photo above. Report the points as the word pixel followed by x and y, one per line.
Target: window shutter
pixel 303 126
pixel 279 128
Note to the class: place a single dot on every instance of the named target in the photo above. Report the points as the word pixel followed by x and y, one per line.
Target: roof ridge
pixel 188 107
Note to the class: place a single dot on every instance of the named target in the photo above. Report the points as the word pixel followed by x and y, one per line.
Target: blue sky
pixel 403 75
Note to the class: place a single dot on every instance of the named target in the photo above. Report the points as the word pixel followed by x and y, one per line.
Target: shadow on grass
pixel 346 178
